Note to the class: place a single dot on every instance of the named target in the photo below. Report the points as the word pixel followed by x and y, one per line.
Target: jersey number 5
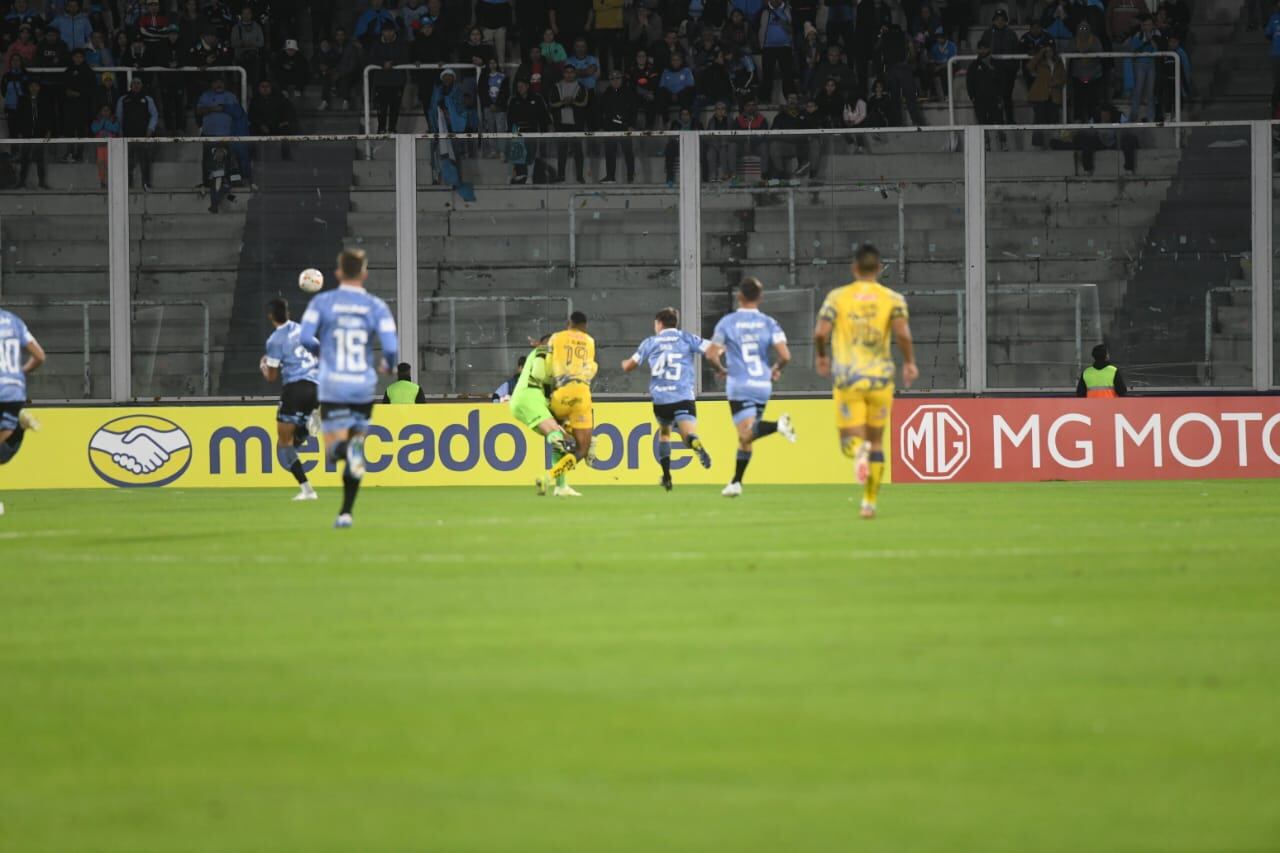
pixel 352 346
pixel 751 355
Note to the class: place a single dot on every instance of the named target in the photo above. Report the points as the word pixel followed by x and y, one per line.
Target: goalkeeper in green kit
pixel 529 407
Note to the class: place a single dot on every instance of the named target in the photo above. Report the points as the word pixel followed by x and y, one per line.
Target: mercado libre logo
pixel 140 451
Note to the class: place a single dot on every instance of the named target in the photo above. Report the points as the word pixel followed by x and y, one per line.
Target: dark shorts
pixel 338 416
pixel 9 415
pixel 743 409
pixel 297 402
pixel 669 413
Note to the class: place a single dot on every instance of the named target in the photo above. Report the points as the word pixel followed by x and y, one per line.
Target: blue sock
pixel 6 452
pixel 287 454
pixel 744 456
pixel 288 457
pixel 664 457
pixel 876 456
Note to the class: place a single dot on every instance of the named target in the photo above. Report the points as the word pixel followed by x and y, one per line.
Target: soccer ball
pixel 311 280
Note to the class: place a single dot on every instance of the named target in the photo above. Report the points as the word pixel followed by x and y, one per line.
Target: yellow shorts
pixel 856 407
pixel 571 405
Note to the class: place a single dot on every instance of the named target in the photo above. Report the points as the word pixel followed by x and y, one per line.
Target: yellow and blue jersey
pixel 572 357
pixel 861 315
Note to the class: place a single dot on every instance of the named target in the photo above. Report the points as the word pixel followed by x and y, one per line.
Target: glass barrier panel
pixel 53 264
pixel 514 233
pixel 222 228
pixel 792 209
pixel 1136 238
pixel 1275 261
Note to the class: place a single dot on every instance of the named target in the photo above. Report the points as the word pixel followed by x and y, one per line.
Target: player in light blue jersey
pixel 746 336
pixel 288 361
pixel 339 326
pixel 14 422
pixel 671 357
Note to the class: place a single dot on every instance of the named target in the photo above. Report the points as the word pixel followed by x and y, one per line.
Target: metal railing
pixel 86 328
pixel 161 69
pixel 501 321
pixel 958 294
pixel 1075 290
pixel 1066 61
pixel 792 245
pixel 1208 324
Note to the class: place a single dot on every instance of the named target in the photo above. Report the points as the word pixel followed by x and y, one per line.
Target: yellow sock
pixel 851 445
pixel 871 490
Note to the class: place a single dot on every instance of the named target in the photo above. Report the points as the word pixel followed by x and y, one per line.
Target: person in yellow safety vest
pixel 403 390
pixel 1102 378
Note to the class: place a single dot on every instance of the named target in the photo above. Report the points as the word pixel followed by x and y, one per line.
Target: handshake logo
pixel 140 451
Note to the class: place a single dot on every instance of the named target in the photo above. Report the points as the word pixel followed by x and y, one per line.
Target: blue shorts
pixel 743 409
pixel 348 416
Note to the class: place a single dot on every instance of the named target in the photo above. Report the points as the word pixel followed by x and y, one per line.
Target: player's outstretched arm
pixel 902 332
pixel 822 347
pixel 630 364
pixel 36 353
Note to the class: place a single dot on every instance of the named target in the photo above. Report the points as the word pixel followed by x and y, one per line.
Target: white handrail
pixel 936 129
pixel 129 71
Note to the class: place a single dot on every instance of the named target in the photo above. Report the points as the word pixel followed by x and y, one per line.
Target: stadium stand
pixel 1071 256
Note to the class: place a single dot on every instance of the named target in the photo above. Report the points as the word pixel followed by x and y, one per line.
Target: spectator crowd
pixel 570 65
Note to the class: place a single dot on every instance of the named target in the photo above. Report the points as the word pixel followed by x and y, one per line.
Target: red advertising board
pixel 1026 439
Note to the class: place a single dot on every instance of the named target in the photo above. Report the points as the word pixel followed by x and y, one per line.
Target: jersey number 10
pixel 9 356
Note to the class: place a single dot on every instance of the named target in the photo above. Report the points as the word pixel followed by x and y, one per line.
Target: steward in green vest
pixel 1102 378
pixel 403 390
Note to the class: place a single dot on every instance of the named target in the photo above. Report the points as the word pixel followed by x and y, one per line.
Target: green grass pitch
pixel 1042 667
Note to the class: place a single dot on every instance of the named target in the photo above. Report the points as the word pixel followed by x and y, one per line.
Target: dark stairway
pixel 1195 244
pixel 297 219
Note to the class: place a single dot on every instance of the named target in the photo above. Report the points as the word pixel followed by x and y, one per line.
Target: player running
pixel 529 406
pixel 745 337
pixel 571 355
pixel 14 422
pixel 670 354
pixel 337 326
pixel 856 321
pixel 288 360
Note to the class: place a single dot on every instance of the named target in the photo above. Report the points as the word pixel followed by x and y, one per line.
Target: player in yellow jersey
pixel 571 356
pixel 851 342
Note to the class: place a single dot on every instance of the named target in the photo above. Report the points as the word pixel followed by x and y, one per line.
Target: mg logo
pixel 934 442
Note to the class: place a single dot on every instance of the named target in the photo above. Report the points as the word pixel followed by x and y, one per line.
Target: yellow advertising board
pixel 442 444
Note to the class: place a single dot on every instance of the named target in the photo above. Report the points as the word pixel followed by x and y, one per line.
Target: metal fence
pixel 966 208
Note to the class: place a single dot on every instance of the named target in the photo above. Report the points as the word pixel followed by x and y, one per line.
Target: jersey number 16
pixel 352 347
